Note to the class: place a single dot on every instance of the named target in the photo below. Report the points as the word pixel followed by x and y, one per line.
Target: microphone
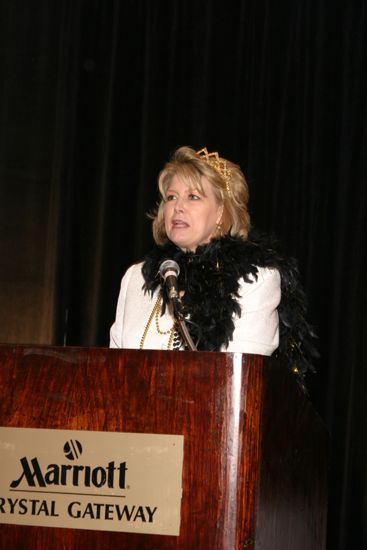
pixel 169 270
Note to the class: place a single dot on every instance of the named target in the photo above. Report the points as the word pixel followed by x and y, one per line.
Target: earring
pixel 219 228
pixel 219 223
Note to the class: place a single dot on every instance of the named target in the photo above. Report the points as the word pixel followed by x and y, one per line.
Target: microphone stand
pixel 176 303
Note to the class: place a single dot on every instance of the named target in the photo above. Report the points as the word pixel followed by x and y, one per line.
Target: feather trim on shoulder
pixel 221 264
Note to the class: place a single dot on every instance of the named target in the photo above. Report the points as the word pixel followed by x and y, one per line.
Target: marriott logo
pixel 112 475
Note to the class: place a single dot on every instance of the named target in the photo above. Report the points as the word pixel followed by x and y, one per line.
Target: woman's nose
pixel 179 204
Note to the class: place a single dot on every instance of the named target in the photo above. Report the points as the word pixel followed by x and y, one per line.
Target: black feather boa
pixel 210 277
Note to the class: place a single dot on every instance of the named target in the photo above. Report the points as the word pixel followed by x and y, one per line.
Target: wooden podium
pixel 255 451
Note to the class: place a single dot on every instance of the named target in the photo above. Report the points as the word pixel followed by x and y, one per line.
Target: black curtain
pixel 279 88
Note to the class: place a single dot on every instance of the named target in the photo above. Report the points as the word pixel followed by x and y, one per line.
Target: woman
pixel 234 287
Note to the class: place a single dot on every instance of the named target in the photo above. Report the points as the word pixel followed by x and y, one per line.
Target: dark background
pixel 95 95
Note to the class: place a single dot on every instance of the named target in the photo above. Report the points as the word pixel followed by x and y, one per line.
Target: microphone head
pixel 169 267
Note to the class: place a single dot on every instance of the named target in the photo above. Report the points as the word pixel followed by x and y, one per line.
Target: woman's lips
pixel 179 223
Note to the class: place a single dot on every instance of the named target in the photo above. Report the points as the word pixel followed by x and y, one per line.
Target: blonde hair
pixel 190 168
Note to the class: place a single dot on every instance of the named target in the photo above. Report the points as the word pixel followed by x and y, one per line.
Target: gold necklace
pixel 155 315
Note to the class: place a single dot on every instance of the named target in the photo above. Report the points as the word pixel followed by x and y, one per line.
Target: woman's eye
pixel 170 198
pixel 194 197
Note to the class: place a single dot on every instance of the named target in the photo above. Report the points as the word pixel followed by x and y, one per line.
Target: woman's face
pixel 190 218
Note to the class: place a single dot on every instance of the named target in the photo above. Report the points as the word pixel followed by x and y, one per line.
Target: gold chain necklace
pixel 155 315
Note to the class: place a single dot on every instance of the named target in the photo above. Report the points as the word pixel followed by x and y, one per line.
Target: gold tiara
pixel 220 165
